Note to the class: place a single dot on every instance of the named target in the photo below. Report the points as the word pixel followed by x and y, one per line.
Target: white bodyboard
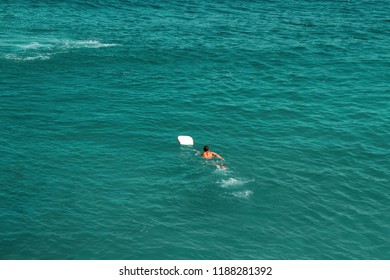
pixel 185 140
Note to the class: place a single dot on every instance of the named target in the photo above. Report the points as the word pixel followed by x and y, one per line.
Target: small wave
pixel 38 57
pixel 26 58
pixel 92 44
pixel 43 48
pixel 35 45
pixel 48 44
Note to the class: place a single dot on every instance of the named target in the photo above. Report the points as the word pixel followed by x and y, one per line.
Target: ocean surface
pixel 294 94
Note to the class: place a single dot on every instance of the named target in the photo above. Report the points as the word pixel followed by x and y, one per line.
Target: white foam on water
pixel 236 187
pixel 35 45
pixel 232 182
pixel 29 49
pixel 91 44
pixel 26 58
pixel 243 194
pixel 37 57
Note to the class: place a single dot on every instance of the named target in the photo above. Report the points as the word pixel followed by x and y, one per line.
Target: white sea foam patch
pixel 33 46
pixel 45 48
pixel 91 44
pixel 26 58
pixel 232 182
pixel 48 44
pixel 243 194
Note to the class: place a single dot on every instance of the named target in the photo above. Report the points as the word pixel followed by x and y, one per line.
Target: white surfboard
pixel 185 140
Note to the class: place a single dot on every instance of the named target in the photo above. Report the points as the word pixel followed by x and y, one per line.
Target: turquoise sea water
pixel 295 95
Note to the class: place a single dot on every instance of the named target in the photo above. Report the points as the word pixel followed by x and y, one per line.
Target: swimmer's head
pixel 205 148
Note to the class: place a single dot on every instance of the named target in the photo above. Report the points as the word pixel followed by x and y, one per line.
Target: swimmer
pixel 207 154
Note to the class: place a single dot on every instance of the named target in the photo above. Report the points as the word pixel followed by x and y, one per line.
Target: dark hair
pixel 205 148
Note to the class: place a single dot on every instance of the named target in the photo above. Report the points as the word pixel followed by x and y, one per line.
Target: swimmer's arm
pixel 218 156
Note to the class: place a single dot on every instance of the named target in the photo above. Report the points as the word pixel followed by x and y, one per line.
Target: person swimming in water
pixel 207 154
